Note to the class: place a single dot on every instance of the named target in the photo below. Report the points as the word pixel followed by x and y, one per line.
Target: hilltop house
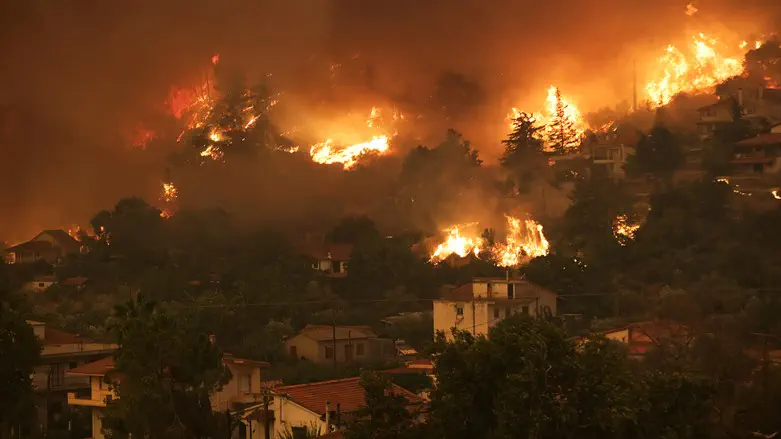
pixel 61 353
pixel 244 388
pixel 760 105
pixel 341 344
pixel 478 306
pixel 49 245
pixel 640 337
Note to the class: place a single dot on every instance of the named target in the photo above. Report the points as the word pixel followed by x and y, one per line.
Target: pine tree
pixel 523 154
pixel 563 138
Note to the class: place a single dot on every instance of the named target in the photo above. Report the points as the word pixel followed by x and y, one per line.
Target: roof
pixel 337 252
pixel 230 359
pixel 76 281
pixel 346 392
pixel 62 238
pixel 105 365
pixel 464 292
pixel 31 246
pixel 326 332
pixel 338 434
pixel 96 368
pixel 54 336
pixel 751 160
pixel 762 140
pixel 44 279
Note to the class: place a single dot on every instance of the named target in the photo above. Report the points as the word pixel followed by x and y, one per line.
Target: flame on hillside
pixel 169 195
pixel 525 241
pixel 547 117
pixel 698 66
pixel 624 230
pixel 457 244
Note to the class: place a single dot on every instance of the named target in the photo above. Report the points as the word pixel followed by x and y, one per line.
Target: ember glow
pixel 328 152
pixel 624 230
pixel 457 244
pixel 170 193
pixel 699 66
pixel 525 241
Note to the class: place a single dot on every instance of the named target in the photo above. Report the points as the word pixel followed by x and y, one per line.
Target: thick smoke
pixel 78 76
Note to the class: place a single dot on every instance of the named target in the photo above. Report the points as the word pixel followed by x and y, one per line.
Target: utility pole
pixel 266 415
pixel 333 332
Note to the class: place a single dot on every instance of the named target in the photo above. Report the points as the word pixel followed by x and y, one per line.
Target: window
pixel 299 432
pixel 245 383
pixel 293 352
pixel 359 349
pixel 510 291
pixel 496 312
pixel 41 285
pixel 490 288
pixel 459 311
pixel 525 309
pixel 329 351
pixel 72 365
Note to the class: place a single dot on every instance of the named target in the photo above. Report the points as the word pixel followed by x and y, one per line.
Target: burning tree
pixel 563 135
pixel 237 121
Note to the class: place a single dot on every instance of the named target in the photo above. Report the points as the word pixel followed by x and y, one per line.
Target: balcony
pixel 44 381
pixel 87 400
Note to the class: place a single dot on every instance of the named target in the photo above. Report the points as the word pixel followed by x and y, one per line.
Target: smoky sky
pixel 76 75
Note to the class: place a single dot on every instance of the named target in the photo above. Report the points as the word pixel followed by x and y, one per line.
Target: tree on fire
pixel 563 138
pixel 523 154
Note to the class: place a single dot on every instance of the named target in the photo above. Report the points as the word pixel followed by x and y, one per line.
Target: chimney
pixel 740 97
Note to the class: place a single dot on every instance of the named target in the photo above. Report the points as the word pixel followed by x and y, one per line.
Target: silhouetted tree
pixel 659 153
pixel 523 154
pixel 563 138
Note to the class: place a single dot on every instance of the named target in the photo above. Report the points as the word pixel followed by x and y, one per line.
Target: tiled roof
pixel 96 368
pixel 75 281
pixel 326 332
pixel 464 292
pixel 346 392
pixel 53 336
pixel 336 252
pixel 761 140
pixel 338 434
pixel 105 365
pixel 32 246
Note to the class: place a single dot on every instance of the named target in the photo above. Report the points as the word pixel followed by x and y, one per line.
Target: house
pixel 49 245
pixel 330 259
pixel 760 105
pixel 757 156
pixel 338 344
pixel 245 387
pixel 478 306
pixel 325 406
pixel 609 158
pixel 61 353
pixel 640 337
pixel 77 282
pixel 39 283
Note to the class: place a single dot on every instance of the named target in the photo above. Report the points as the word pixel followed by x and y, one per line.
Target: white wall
pixel 288 414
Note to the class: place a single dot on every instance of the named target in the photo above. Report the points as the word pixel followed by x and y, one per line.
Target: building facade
pixel 480 305
pixel 338 344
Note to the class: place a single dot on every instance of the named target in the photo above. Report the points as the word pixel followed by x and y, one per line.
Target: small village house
pixel 329 259
pixel 49 245
pixel 478 306
pixel 39 284
pixel 245 387
pixel 761 106
pixel 62 352
pixel 340 344
pixel 324 406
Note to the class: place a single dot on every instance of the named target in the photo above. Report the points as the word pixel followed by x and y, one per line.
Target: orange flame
pixel 624 230
pixel 525 241
pixel 457 244
pixel 547 116
pixel 326 153
pixel 700 66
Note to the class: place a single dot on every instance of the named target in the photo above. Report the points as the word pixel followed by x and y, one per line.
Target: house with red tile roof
pixel 481 304
pixel 329 258
pixel 640 337
pixel 340 344
pixel 245 387
pixel 61 352
pixel 325 405
pixel 49 245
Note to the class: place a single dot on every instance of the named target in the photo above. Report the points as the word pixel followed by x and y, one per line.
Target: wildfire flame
pixel 701 65
pixel 327 153
pixel 525 241
pixel 624 230
pixel 547 116
pixel 457 244
pixel 170 193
